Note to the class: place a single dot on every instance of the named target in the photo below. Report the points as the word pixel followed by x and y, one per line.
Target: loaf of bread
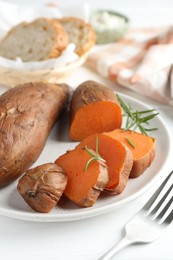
pixel 36 41
pixel 80 33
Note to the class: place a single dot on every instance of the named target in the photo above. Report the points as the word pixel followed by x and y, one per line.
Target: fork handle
pixel 120 245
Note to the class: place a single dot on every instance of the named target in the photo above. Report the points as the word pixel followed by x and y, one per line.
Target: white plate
pixel 12 204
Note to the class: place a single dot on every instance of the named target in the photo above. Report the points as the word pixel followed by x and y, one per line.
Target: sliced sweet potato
pixel 143 152
pixel 118 158
pixel 94 109
pixel 42 186
pixel 83 187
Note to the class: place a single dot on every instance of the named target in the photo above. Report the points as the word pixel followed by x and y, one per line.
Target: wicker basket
pixel 12 77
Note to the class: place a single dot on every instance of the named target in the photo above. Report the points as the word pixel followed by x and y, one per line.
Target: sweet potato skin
pixel 42 187
pixel 27 114
pixel 95 191
pixel 89 94
pixel 143 163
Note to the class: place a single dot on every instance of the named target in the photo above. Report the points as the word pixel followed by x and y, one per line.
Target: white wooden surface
pixel 90 238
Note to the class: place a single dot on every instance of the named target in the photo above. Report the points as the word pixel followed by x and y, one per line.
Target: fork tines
pixel 162 206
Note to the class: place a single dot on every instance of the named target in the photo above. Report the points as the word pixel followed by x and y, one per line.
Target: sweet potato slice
pixel 42 186
pixel 27 114
pixel 143 153
pixel 94 109
pixel 83 187
pixel 118 158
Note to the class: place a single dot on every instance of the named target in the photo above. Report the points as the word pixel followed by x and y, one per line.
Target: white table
pixel 88 239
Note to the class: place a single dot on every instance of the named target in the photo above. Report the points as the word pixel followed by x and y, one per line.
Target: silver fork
pixel 149 223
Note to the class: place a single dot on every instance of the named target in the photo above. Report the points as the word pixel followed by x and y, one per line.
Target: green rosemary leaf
pixel 88 163
pixel 127 121
pixel 89 151
pixel 146 111
pixel 137 119
pixel 124 106
pixel 130 142
pixel 131 124
pixel 136 126
pixel 142 129
pixel 94 157
pixel 151 129
pixel 147 118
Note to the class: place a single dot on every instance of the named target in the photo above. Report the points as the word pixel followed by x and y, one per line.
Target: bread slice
pixel 80 33
pixel 35 41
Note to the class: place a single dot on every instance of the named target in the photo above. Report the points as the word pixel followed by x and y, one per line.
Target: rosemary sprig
pixel 137 119
pixel 130 142
pixel 94 156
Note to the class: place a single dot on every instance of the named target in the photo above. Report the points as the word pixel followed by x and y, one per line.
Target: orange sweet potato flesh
pixel 143 153
pixel 94 109
pixel 118 158
pixel 83 187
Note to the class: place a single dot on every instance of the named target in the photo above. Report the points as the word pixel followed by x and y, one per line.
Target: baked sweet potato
pixel 42 186
pixel 83 186
pixel 94 109
pixel 27 114
pixel 142 147
pixel 118 157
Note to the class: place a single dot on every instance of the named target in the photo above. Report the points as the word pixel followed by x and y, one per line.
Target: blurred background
pixel 141 12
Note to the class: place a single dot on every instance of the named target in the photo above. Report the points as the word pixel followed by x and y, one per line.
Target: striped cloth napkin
pixel 142 61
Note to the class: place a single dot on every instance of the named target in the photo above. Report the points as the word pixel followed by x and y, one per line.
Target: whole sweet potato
pixel 27 114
